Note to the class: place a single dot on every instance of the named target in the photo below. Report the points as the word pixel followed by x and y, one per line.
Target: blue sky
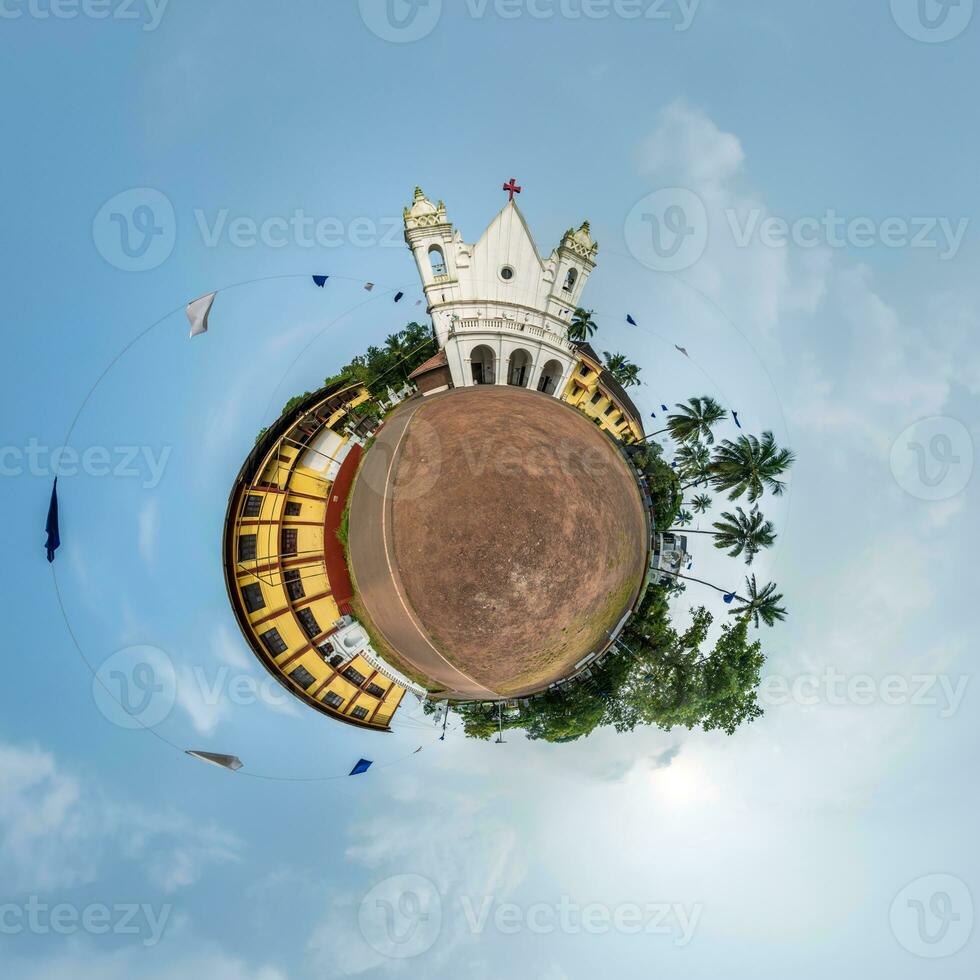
pixel 792 848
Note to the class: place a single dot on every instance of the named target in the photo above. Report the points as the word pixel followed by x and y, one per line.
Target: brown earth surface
pixel 516 535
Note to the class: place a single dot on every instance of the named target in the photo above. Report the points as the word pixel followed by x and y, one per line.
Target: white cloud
pixel 148 530
pixel 55 830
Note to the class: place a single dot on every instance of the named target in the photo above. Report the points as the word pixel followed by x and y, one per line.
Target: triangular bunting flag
pixel 398 296
pixel 198 312
pixel 664 408
pixel 362 766
pixel 369 286
pixel 231 762
pixel 53 531
pixel 729 596
pixel 682 350
pixel 735 416
pixel 321 281
pixel 631 321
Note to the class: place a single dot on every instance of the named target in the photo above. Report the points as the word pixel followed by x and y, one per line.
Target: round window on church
pixel 506 273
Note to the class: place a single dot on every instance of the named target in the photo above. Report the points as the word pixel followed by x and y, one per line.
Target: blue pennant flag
pixel 631 321
pixel 664 408
pixel 362 766
pixel 729 597
pixel 398 296
pixel 321 281
pixel 735 416
pixel 54 534
pixel 653 415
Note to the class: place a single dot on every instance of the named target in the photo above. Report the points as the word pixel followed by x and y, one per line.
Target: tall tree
pixel 582 326
pixel 750 466
pixel 761 604
pixel 696 419
pixel 622 369
pixel 701 503
pixel 742 533
pixel 693 461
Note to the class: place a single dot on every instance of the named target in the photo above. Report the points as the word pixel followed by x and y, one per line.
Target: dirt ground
pixel 518 533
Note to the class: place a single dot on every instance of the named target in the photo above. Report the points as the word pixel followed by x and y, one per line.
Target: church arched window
pixel 437 260
pixel 570 280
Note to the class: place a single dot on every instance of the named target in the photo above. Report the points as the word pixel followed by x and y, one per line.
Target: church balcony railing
pixel 500 325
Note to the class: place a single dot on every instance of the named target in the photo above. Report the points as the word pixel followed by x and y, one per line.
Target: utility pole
pixel 500 723
pixel 445 720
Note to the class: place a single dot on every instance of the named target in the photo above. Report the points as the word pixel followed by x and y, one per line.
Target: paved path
pixel 371 553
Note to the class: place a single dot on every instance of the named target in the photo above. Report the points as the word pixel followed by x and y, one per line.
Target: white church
pixel 500 311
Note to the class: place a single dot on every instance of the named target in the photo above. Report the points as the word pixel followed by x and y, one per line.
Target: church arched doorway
pixel 519 368
pixel 481 365
pixel 550 376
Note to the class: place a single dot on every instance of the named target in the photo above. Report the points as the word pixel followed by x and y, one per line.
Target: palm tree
pixel 582 326
pixel 693 461
pixel 622 369
pixel 748 533
pixel 751 466
pixel 683 518
pixel 762 604
pixel 696 419
pixel 701 503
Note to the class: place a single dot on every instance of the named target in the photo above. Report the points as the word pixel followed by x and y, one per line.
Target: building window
pixel 336 660
pixel 360 713
pixel 293 509
pixel 437 260
pixel 273 642
pixel 308 621
pixel 294 584
pixel 596 398
pixel 585 370
pixel 289 542
pixel 610 408
pixel 302 677
pixel 252 596
pixel 507 273
pixel 333 699
pixel 253 506
pixel 355 676
pixel 375 691
pixel 246 547
pixel 570 280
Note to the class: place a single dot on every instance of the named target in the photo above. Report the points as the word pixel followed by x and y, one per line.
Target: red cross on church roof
pixel 512 188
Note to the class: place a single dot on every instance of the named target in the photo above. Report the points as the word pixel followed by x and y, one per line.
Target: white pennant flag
pixel 197 313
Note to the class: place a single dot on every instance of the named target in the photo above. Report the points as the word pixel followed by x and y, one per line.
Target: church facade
pixel 501 312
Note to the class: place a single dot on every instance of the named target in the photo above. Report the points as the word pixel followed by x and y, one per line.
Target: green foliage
pixel 622 369
pixel 582 326
pixel 391 364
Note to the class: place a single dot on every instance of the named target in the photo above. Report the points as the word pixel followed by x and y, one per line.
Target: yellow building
pixel 285 568
pixel 593 390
